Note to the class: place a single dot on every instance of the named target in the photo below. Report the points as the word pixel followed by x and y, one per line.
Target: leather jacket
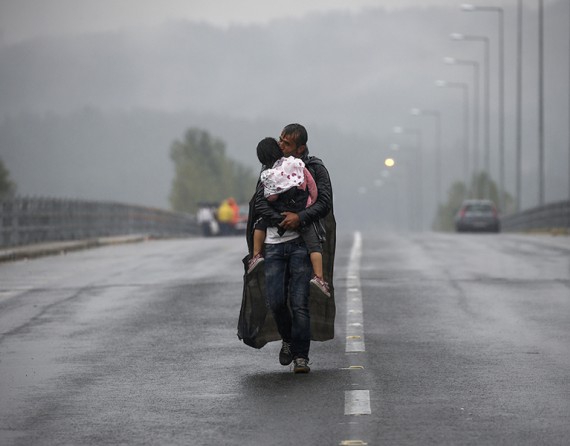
pixel 256 326
pixel 323 206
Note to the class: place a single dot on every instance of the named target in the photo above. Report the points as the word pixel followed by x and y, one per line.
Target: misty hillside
pixel 328 66
pixel 94 116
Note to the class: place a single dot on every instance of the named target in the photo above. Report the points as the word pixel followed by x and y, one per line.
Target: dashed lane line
pixel 356 402
pixel 354 320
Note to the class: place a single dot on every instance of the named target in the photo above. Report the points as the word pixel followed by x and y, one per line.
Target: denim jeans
pixel 287 273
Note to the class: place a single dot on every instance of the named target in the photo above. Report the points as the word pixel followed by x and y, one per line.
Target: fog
pixel 92 114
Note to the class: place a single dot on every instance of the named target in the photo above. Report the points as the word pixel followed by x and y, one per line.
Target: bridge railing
pixel 552 217
pixel 25 221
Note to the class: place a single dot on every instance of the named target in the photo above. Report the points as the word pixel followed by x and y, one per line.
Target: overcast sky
pixel 22 19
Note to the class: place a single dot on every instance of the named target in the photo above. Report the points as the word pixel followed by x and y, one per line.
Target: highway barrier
pixel 25 221
pixel 552 217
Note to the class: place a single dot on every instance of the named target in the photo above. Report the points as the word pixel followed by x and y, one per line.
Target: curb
pixel 59 248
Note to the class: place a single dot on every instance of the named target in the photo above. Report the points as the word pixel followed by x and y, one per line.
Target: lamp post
pixel 487 100
pixel 540 102
pixel 518 129
pixel 418 134
pixel 436 114
pixel 475 65
pixel 407 193
pixel 500 12
pixel 465 88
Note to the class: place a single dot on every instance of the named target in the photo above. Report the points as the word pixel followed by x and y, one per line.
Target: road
pixel 459 339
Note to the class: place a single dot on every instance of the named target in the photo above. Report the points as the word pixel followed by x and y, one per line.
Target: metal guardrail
pixel 25 221
pixel 553 217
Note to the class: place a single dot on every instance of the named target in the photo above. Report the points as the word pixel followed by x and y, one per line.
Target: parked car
pixel 477 215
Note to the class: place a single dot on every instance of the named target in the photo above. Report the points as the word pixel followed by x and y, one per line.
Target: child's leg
pixel 315 249
pixel 258 241
pixel 317 262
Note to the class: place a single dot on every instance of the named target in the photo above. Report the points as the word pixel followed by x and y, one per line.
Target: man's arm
pixel 320 208
pixel 323 205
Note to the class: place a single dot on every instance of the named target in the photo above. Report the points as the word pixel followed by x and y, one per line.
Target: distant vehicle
pixel 477 215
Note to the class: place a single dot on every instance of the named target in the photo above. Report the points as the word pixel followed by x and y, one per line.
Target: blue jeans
pixel 287 273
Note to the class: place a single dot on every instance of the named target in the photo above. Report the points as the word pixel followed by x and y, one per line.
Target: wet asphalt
pixel 467 341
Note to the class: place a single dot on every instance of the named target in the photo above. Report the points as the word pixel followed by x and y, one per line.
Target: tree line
pixel 203 173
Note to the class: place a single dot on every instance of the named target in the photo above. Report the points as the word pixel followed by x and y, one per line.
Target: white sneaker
pixel 301 365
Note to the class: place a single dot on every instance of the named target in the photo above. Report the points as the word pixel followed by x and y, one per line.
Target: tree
pixel 7 186
pixel 203 173
pixel 446 212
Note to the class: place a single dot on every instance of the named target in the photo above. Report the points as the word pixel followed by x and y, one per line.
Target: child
pixel 288 186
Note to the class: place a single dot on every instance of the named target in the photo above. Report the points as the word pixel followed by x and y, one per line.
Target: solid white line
pixel 357 402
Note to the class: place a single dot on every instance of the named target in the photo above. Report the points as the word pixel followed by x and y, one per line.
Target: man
pixel 288 269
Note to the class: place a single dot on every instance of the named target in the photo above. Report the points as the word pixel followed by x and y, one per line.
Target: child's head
pixel 268 151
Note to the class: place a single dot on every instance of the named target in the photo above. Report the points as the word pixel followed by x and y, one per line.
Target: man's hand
pixel 290 220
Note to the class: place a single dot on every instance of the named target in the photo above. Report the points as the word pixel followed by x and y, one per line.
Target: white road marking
pixel 354 321
pixel 357 402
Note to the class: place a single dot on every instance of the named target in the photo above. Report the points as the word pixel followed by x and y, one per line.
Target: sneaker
pixel 301 365
pixel 255 261
pixel 285 356
pixel 321 285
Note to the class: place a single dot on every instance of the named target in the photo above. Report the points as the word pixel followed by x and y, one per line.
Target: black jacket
pixel 259 207
pixel 256 326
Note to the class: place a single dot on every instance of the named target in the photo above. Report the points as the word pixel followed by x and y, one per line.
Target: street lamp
pixel 418 134
pixel 403 183
pixel 540 102
pixel 475 65
pixel 437 116
pixel 518 161
pixel 497 9
pixel 465 88
pixel 487 100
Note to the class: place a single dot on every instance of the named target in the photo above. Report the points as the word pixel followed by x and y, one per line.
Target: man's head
pixel 293 140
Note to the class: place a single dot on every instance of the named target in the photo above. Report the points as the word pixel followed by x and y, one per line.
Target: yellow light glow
pixel 389 162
